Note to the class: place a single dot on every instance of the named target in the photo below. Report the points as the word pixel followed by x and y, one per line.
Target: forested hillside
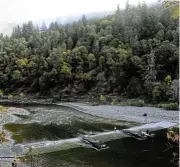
pixel 132 53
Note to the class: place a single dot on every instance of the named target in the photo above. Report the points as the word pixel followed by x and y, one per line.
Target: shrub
pixel 2 108
pixel 65 69
pixel 81 76
pixel 156 93
pixel 171 106
pixel 168 80
pixel 102 99
pixel 10 96
pixel 3 137
pixel 22 94
pixel 17 75
pixel 1 92
pixel 160 105
pixel 173 92
pixel 114 102
pixel 159 92
pixel 139 103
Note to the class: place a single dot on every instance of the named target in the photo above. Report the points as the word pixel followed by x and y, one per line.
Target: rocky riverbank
pixel 119 112
pixel 127 113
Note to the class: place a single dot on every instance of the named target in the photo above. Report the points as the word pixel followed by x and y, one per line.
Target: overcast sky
pixel 24 10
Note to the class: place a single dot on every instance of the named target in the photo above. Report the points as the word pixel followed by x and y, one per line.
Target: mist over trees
pixel 132 53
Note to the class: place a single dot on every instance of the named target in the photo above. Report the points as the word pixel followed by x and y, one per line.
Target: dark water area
pixel 121 153
pixel 24 133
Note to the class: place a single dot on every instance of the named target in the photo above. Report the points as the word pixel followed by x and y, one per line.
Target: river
pixel 51 122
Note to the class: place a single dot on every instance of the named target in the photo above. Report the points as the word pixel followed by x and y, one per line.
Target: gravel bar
pixel 127 113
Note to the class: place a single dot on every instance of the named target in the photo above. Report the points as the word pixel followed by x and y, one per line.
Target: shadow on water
pixel 127 152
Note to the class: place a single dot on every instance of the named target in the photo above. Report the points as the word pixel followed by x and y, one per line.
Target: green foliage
pixel 126 53
pixel 175 12
pixel 3 137
pixel 91 57
pixel 16 75
pixel 65 69
pixel 22 94
pixel 105 23
pixel 82 77
pixel 139 103
pixel 168 80
pixel 102 99
pixel 156 93
pixel 174 6
pixel 1 92
pixel 10 96
pixel 2 108
pixel 169 106
pixel 114 102
pixel 101 62
pixel 160 105
pixel 23 62
pixel 70 43
pixel 151 73
pixel 173 91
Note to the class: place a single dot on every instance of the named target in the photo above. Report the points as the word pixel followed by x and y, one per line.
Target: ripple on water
pixel 23 133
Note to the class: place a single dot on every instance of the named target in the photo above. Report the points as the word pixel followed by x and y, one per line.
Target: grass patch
pixel 95 104
pixel 169 106
pixel 139 103
pixel 102 99
pixel 2 108
pixel 1 92
pixel 114 102
pixel 3 137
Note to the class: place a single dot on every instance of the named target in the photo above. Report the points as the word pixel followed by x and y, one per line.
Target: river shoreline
pixel 118 112
pixel 127 113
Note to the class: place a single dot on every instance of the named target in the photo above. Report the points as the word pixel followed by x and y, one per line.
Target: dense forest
pixel 132 53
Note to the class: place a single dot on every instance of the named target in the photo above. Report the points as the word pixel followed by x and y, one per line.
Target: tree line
pixel 132 53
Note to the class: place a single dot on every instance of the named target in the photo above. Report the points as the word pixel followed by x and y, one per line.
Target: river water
pixel 56 123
